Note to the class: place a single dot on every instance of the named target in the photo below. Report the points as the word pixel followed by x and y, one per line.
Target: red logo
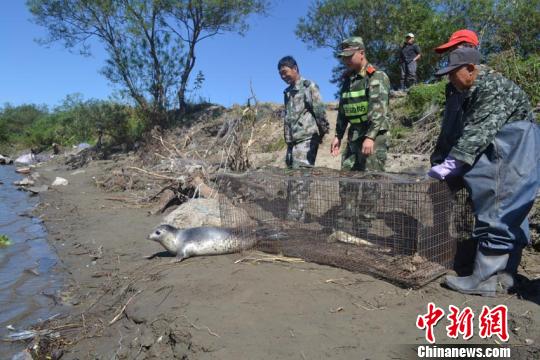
pixel 490 322
pixel 429 320
pixel 494 322
pixel 460 323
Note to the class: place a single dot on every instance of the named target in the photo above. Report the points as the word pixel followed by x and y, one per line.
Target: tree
pixel 192 21
pixel 16 119
pixel 501 25
pixel 141 57
pixel 383 25
pixel 150 43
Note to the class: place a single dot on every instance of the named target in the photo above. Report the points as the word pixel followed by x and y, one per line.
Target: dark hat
pixel 460 57
pixel 459 36
pixel 350 46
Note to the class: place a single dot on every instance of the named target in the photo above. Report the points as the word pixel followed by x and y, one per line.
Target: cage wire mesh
pixel 394 226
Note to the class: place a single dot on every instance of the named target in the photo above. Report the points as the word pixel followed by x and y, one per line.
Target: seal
pixel 199 241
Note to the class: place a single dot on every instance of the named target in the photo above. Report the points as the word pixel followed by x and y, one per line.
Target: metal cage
pixel 399 227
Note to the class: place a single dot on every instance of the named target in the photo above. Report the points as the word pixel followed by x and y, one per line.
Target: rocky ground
pixel 120 304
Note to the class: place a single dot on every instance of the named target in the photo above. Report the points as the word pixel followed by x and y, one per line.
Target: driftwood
pixel 203 189
pixel 167 197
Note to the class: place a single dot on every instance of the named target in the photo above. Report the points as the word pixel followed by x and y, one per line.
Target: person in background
pixel 409 54
pixel 494 150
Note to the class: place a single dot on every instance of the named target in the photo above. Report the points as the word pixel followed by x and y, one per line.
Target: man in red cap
pixel 461 38
pixel 489 143
pixel 453 111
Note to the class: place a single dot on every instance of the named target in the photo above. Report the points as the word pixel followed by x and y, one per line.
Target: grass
pixel 4 241
pixel 277 145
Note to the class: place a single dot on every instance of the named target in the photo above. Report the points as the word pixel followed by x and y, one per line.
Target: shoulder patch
pixel 370 69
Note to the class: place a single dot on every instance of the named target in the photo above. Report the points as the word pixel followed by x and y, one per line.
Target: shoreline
pixel 125 306
pixel 28 274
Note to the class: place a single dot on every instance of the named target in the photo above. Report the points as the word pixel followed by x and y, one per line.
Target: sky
pixel 32 73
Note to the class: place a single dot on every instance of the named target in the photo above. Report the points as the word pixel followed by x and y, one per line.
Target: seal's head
pixel 166 236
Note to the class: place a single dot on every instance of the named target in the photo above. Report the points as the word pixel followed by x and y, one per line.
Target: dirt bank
pixel 122 305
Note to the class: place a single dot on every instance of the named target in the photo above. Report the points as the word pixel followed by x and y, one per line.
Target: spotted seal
pixel 197 241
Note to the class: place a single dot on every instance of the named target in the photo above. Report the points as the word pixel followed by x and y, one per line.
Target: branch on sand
pixel 121 312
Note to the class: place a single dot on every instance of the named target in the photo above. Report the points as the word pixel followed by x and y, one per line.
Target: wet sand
pixel 129 307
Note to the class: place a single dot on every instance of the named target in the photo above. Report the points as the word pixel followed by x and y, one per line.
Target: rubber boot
pixel 507 278
pixel 483 280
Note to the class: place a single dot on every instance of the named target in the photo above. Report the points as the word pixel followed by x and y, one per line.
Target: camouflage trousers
pixel 303 156
pixel 352 158
pixel 359 199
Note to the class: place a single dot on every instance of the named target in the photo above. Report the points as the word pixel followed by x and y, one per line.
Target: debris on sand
pixel 4 160
pixel 28 334
pixel 23 170
pixel 36 189
pixel 26 159
pixel 24 182
pixel 59 182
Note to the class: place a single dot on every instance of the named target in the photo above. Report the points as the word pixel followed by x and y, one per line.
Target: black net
pixel 394 226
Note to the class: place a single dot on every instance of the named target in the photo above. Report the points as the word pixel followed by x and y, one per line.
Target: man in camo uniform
pixel 495 151
pixel 363 107
pixel 304 126
pixel 305 120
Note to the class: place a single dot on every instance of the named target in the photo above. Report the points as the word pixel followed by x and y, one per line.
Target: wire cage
pixel 399 227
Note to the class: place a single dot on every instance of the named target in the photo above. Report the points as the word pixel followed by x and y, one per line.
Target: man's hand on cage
pixel 450 167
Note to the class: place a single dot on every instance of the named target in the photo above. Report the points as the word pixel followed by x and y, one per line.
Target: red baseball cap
pixel 459 37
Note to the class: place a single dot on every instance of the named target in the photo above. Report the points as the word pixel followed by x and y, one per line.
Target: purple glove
pixel 450 167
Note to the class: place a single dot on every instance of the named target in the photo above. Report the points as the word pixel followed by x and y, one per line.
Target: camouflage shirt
pixel 378 89
pixel 303 105
pixel 486 107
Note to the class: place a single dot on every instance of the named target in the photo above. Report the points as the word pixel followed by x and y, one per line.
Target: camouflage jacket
pixel 473 118
pixel 377 84
pixel 303 106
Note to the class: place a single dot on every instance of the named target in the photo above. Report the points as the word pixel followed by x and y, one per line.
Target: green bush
pixel 399 131
pixel 16 120
pixel 45 131
pixel 421 96
pixel 3 131
pixel 136 126
pixel 523 71
pixel 4 241
pixel 73 122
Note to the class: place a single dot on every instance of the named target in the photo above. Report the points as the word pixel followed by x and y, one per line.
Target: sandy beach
pixel 120 304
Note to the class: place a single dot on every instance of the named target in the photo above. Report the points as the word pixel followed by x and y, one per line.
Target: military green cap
pixel 350 46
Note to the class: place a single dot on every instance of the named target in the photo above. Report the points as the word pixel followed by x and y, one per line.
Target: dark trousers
pixel 408 74
pixel 503 183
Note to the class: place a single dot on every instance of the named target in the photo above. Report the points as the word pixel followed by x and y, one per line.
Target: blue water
pixel 27 266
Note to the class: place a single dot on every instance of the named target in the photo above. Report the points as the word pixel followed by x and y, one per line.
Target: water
pixel 27 266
